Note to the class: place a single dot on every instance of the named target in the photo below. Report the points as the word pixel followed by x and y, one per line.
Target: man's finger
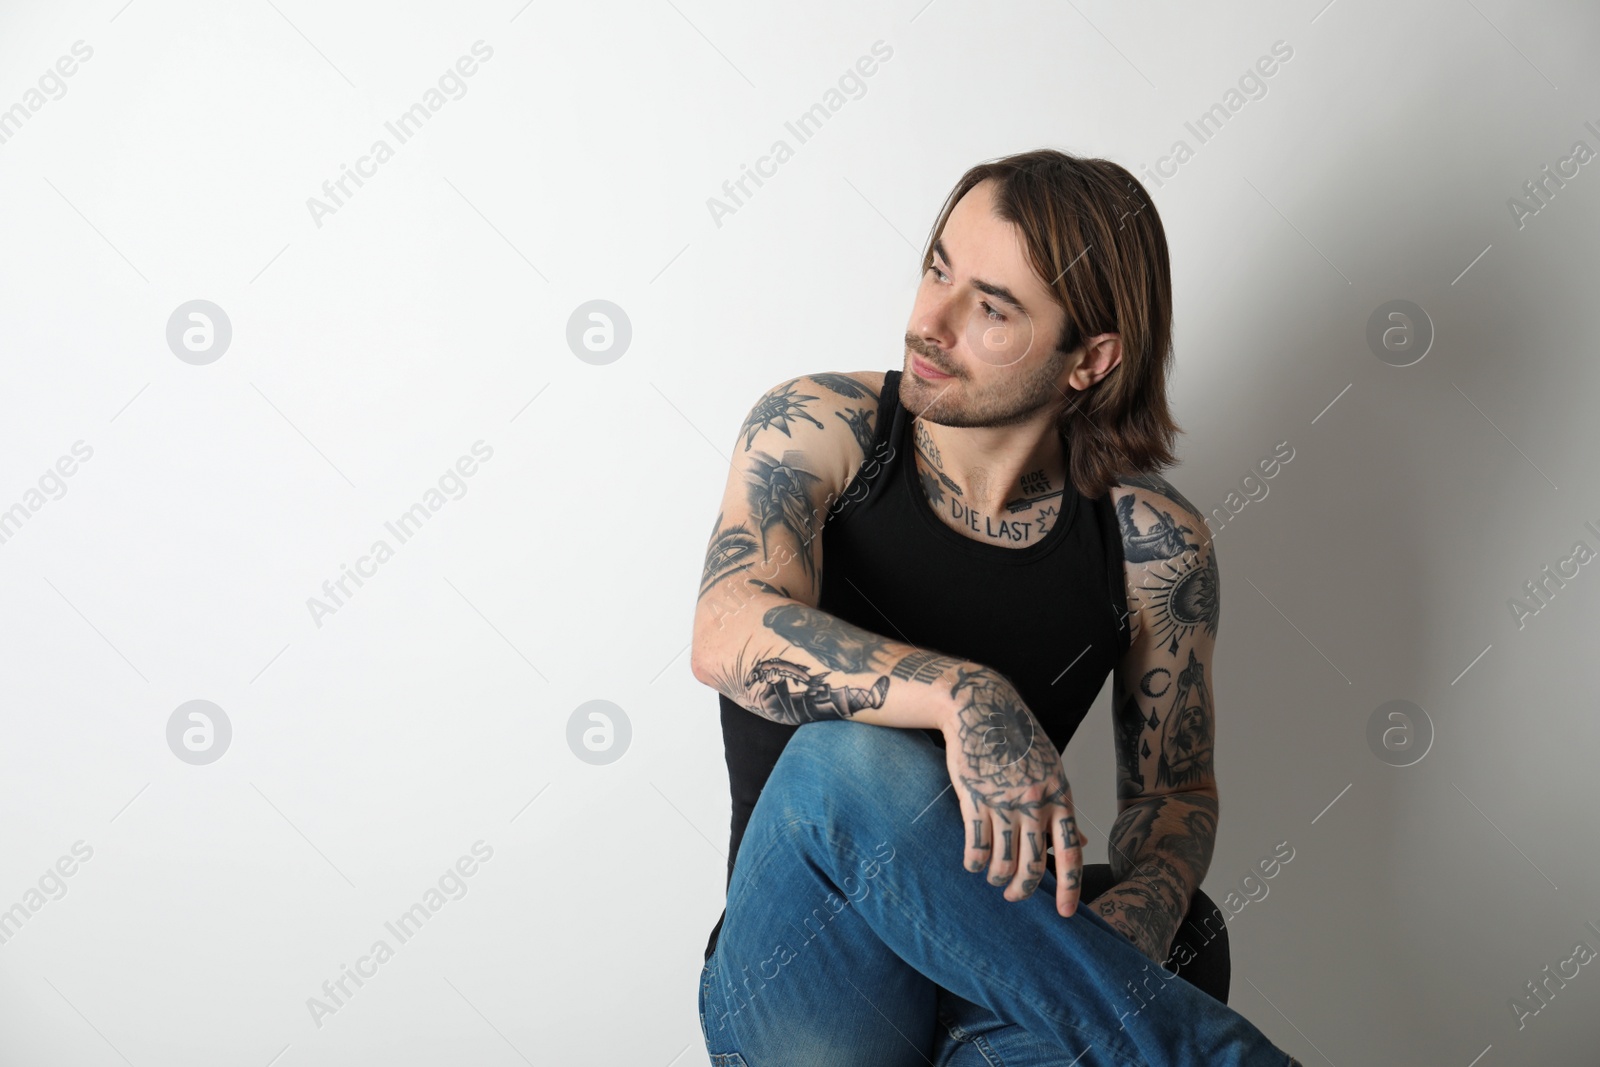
pixel 981 852
pixel 975 834
pixel 1032 858
pixel 1069 861
pixel 1006 856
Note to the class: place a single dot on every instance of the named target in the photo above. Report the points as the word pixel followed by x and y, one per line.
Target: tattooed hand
pixel 1014 795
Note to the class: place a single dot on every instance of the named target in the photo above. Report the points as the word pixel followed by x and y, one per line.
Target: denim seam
pixel 705 983
pixel 953 1028
pixel 1130 1056
pixel 987 1051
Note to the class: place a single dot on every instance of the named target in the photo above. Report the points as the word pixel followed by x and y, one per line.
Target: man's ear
pixel 1101 355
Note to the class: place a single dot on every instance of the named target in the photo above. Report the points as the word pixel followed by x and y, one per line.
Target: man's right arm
pixel 759 637
pixel 761 640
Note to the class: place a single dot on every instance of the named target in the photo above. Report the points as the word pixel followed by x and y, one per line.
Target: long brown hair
pixel 1089 225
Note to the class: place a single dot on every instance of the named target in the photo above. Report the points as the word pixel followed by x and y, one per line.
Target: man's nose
pixel 934 325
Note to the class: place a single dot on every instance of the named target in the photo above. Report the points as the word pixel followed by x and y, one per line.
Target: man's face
pixel 987 322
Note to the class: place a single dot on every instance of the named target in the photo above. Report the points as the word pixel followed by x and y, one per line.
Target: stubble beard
pixel 1020 394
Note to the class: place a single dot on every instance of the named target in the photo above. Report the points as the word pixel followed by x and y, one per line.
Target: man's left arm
pixel 1161 842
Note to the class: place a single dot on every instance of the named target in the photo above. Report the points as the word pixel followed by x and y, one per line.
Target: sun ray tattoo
pixel 779 407
pixel 1186 594
pixel 1185 597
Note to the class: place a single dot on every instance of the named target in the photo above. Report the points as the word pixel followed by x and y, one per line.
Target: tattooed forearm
pixel 854 673
pixel 1180 826
pixel 785 691
pixel 1160 850
pixel 1129 834
pixel 843 646
pixel 792 693
pixel 924 666
pixel 1148 907
pixel 836 644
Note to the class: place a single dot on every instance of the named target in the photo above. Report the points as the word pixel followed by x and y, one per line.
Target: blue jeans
pixel 853 935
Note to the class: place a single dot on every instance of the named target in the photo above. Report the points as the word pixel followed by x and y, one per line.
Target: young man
pixel 933 570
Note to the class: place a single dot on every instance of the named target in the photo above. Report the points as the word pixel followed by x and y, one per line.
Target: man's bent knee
pixel 859 749
pixel 838 760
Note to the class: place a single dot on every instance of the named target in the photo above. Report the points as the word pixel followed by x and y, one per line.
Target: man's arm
pixel 1162 840
pixel 759 637
pixel 764 643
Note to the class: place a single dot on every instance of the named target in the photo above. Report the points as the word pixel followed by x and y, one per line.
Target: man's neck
pixel 991 467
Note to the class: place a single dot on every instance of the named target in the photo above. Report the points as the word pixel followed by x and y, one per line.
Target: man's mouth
pixel 923 369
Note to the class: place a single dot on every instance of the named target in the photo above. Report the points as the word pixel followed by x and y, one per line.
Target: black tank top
pixel 1050 616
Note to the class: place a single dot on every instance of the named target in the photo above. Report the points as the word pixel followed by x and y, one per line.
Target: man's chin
pixel 932 401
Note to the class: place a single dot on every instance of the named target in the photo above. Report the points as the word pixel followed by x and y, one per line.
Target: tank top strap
pixel 870 477
pixel 888 402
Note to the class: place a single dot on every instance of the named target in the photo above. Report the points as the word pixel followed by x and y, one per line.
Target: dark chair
pixel 1204 931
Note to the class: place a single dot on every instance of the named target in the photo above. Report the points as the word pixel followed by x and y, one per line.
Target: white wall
pixel 430 311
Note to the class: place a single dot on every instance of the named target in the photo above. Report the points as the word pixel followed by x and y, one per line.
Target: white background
pixel 369 353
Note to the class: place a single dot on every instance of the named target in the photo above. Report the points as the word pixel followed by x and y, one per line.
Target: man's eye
pixel 994 315
pixel 937 271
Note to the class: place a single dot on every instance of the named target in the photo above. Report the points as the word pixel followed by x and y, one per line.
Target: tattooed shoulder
pixel 855 402
pixel 1155 485
pixel 1170 563
pixel 797 450
pixel 857 385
